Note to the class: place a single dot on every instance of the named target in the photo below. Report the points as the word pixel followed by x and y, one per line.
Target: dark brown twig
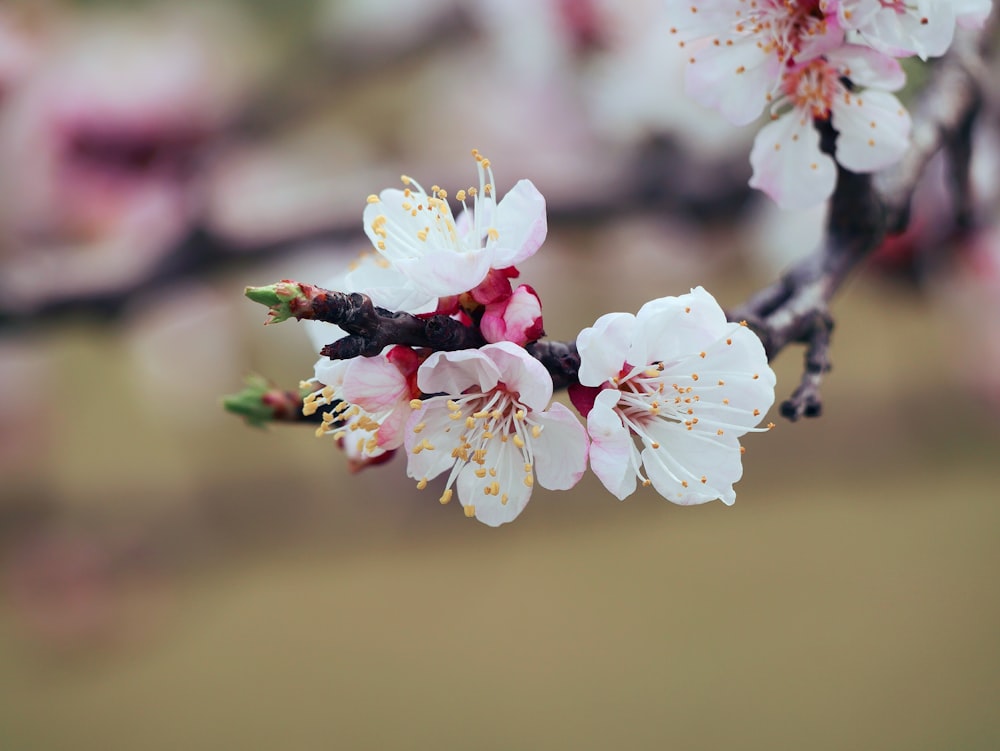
pixel 370 329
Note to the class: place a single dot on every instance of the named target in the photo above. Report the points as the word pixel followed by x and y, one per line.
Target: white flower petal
pixel 673 328
pixel 788 164
pixel 521 224
pixel 520 373
pixel 387 286
pixel 442 272
pixel 436 423
pixel 736 385
pixel 604 347
pixel 734 79
pixel 454 372
pixel 925 31
pixel 561 448
pixel 514 495
pixel 678 466
pixel 693 20
pixel 330 372
pixel 874 130
pixel 868 67
pixel 612 448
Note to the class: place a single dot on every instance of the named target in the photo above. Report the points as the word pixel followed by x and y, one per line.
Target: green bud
pixel 249 403
pixel 279 298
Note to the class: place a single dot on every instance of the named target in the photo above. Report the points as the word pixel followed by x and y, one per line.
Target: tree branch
pixel 795 309
pixel 370 329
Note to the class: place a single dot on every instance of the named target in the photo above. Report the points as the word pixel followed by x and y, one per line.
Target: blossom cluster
pixel 809 61
pixel 677 379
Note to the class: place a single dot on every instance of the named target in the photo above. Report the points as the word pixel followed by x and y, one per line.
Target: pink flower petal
pixel 374 383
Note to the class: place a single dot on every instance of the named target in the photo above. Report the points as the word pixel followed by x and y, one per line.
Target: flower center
pixel 496 425
pixel 642 400
pixel 811 87
pixel 785 25
pixel 430 221
pixel 344 419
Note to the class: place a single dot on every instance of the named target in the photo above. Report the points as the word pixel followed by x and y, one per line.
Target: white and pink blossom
pixel 491 427
pixel 738 50
pixel 441 255
pixel 369 398
pixel 872 125
pixel 809 62
pixel 682 381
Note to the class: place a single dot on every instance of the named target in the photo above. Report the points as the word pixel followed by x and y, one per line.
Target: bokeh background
pixel 171 578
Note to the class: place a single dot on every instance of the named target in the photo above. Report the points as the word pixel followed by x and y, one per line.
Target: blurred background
pixel 171 578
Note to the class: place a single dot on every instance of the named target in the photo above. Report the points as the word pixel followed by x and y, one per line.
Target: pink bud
pixel 516 319
pixel 495 287
pixel 583 397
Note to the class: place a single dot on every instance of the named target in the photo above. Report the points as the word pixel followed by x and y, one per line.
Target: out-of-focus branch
pixel 651 184
pixel 942 119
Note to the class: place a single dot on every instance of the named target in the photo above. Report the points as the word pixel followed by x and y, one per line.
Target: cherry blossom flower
pixel 369 396
pixel 738 50
pixel 417 233
pixel 794 56
pixel 683 381
pixel 873 127
pixel 491 427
